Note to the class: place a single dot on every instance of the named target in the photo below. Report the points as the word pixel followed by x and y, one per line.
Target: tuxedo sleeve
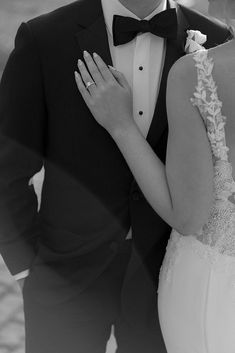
pixel 22 131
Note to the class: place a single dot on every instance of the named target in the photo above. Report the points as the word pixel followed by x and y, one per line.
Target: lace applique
pixel 219 227
pixel 206 99
pixel 224 186
pixel 216 239
pixel 221 263
pixel 170 256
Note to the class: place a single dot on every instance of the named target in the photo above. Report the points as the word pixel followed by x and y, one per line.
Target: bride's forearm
pixel 181 191
pixel 149 172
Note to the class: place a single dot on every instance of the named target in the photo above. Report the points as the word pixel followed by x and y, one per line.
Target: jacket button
pixel 135 196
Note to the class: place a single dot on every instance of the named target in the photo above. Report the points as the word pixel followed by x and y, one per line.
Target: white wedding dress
pixel 196 294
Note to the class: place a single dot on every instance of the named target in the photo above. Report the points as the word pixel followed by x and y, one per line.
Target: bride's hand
pixel 106 93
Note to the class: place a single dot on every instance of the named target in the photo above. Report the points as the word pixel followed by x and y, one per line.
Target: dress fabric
pixel 196 294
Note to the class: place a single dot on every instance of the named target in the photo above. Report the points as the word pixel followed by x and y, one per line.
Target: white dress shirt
pixel 141 61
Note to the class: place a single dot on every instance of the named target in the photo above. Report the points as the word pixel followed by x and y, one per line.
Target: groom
pixel 90 258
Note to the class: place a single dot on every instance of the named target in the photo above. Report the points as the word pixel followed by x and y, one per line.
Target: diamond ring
pixel 89 84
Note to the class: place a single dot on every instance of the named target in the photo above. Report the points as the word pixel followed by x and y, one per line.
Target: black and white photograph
pixel 117 189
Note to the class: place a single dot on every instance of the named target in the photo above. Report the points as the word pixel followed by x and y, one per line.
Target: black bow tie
pixel 162 25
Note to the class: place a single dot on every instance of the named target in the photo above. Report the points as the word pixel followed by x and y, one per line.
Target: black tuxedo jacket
pixel 89 197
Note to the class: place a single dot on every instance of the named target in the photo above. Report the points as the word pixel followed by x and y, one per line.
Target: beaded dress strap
pixel 209 105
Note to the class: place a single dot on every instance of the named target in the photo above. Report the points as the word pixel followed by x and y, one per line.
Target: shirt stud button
pixel 141 112
pixel 141 68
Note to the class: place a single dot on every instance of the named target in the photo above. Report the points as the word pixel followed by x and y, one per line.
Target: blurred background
pixel 12 13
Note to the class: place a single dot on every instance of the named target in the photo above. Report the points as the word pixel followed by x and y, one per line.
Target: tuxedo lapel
pixel 94 38
pixel 174 50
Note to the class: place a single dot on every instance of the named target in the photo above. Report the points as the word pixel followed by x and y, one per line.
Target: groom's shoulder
pixel 193 15
pixel 66 12
pixel 205 24
pixel 64 17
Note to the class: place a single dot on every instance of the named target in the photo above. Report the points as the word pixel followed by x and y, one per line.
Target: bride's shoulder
pixel 181 86
pixel 183 74
pixel 183 65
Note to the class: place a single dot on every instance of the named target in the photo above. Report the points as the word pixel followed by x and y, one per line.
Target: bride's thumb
pixel 119 77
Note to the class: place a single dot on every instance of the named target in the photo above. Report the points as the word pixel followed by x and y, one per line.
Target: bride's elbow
pixel 190 216
pixel 188 228
pixel 192 223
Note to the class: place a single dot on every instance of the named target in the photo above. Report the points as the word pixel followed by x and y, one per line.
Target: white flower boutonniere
pixel 194 41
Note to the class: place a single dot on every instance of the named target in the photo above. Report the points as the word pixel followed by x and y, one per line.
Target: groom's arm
pixel 22 130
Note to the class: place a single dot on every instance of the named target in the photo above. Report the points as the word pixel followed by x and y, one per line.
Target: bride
pixel 194 192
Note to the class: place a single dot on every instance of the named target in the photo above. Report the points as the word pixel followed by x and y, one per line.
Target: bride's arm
pixel 181 191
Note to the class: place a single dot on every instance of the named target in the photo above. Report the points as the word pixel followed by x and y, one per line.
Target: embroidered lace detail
pixel 221 263
pixel 209 105
pixel 217 236
pixel 170 256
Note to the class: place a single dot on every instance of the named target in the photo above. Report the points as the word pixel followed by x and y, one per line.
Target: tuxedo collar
pixel 183 26
pixel 91 18
pixel 89 11
pixel 92 36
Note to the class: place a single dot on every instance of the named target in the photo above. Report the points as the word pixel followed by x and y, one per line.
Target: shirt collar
pixel 114 7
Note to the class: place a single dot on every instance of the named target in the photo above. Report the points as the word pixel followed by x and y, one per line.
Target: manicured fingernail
pixel 76 74
pixel 112 68
pixel 85 53
pixel 95 55
pixel 80 62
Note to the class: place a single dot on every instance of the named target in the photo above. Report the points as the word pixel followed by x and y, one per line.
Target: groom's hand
pixel 21 283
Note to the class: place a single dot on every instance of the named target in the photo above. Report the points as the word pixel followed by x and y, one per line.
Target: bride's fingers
pixel 103 68
pixel 119 77
pixel 82 89
pixel 94 71
pixel 86 76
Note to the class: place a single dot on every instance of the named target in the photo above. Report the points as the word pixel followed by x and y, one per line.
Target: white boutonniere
pixel 194 41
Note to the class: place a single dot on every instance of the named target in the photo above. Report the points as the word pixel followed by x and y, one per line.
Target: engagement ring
pixel 88 84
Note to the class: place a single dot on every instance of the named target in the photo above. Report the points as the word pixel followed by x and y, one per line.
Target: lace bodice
pixel 218 234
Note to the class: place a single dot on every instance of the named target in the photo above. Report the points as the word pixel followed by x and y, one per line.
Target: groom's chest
pixel 141 61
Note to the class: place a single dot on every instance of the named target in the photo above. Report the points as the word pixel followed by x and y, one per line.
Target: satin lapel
pixel 94 38
pixel 174 50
